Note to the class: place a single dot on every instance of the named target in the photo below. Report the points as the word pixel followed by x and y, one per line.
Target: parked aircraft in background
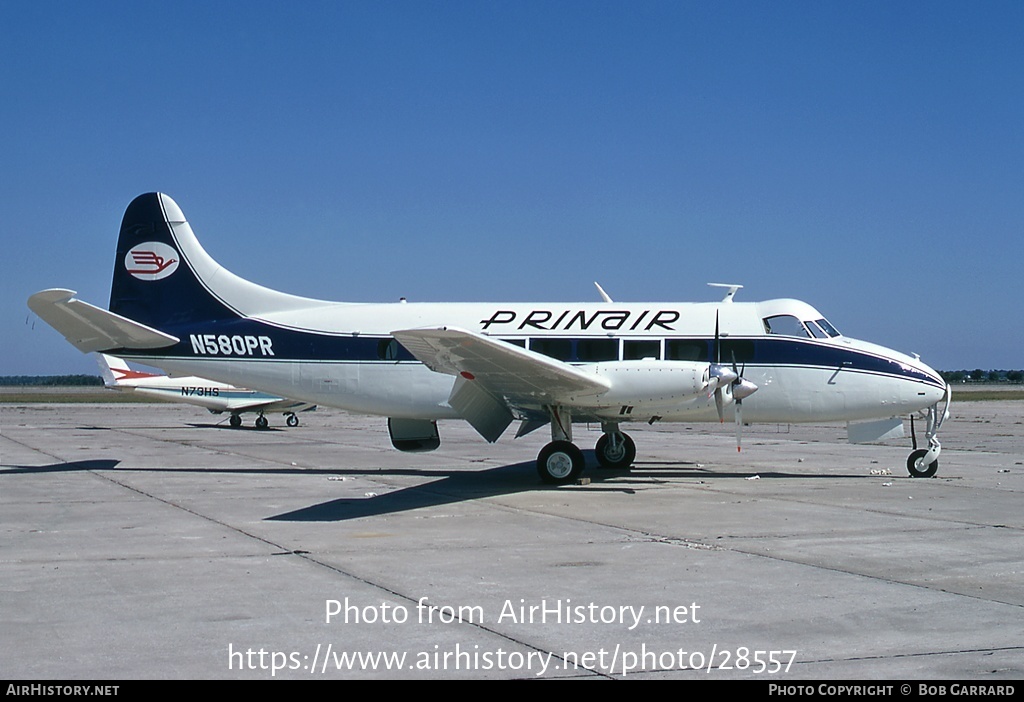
pixel 214 396
pixel 172 306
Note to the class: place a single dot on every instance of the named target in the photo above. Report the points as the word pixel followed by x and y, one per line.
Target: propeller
pixel 741 388
pixel 722 378
pixel 719 376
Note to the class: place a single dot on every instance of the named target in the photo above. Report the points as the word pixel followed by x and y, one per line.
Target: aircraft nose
pixel 933 374
pixel 934 389
pixel 934 394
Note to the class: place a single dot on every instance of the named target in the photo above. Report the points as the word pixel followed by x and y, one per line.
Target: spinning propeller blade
pixel 723 378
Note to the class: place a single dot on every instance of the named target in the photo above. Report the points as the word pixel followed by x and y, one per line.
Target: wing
pixel 276 405
pixel 494 377
pixel 505 370
pixel 90 328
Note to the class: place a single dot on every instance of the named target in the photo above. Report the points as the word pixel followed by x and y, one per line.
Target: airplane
pixel 780 361
pixel 214 396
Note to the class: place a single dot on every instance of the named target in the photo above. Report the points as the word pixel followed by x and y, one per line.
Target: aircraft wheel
pixel 560 462
pixel 619 456
pixel 926 472
pixel 235 421
pixel 293 420
pixel 261 422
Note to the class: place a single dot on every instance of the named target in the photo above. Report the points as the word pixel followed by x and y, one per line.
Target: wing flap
pixel 485 413
pixel 89 328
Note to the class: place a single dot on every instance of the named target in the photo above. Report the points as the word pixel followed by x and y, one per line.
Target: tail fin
pixel 155 282
pixel 107 365
pixel 116 373
pixel 164 279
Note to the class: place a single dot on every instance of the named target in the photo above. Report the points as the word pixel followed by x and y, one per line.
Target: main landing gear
pixel 236 421
pixel 262 422
pixel 615 449
pixel 561 462
pixel 923 463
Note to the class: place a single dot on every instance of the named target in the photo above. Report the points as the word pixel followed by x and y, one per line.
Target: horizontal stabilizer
pixel 89 328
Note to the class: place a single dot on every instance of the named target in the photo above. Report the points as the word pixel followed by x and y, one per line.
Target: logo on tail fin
pixel 151 260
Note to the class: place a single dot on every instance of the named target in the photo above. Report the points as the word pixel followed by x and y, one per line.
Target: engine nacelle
pixel 650 382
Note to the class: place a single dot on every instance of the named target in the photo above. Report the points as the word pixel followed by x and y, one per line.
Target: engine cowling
pixel 650 381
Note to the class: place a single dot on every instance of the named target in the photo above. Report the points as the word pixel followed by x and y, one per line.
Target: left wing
pixel 267 405
pixel 504 370
pixel 493 376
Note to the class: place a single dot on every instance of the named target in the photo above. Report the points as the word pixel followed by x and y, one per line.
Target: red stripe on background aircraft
pixel 216 397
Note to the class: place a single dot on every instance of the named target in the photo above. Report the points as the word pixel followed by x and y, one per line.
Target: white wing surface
pixel 521 378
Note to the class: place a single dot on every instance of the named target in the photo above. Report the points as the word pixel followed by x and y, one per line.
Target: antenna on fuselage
pixel 732 290
pixel 604 295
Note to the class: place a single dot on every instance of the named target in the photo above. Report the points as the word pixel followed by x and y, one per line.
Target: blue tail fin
pixel 155 279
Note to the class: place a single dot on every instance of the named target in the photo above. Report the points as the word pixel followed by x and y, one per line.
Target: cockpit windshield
pixel 788 325
pixel 827 328
pixel 785 325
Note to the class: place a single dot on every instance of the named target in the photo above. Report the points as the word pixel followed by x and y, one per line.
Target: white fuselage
pixel 799 378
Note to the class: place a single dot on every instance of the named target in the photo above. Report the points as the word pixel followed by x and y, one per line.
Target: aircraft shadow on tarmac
pixel 451 487
pixel 464 486
pixel 68 467
pixel 227 427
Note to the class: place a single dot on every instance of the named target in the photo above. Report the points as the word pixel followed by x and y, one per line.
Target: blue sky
pixel 865 157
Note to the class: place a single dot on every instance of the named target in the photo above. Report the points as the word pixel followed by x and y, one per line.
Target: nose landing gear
pixel 924 463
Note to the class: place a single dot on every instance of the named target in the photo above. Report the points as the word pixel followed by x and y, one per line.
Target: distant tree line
pixel 50 380
pixel 983 376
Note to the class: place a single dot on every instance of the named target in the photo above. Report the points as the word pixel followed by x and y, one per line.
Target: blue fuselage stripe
pixel 245 338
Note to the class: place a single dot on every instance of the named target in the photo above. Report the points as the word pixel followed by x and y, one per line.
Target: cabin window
pixel 521 343
pixel 387 350
pixel 686 350
pixel 597 350
pixel 736 351
pixel 586 350
pixel 635 350
pixel 560 349
pixel 785 325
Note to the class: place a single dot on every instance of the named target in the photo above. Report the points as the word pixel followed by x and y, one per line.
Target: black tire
pixel 559 463
pixel 623 457
pixel 261 422
pixel 914 471
pixel 235 421
pixel 293 420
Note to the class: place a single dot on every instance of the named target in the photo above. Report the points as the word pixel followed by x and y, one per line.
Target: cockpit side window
pixel 785 325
